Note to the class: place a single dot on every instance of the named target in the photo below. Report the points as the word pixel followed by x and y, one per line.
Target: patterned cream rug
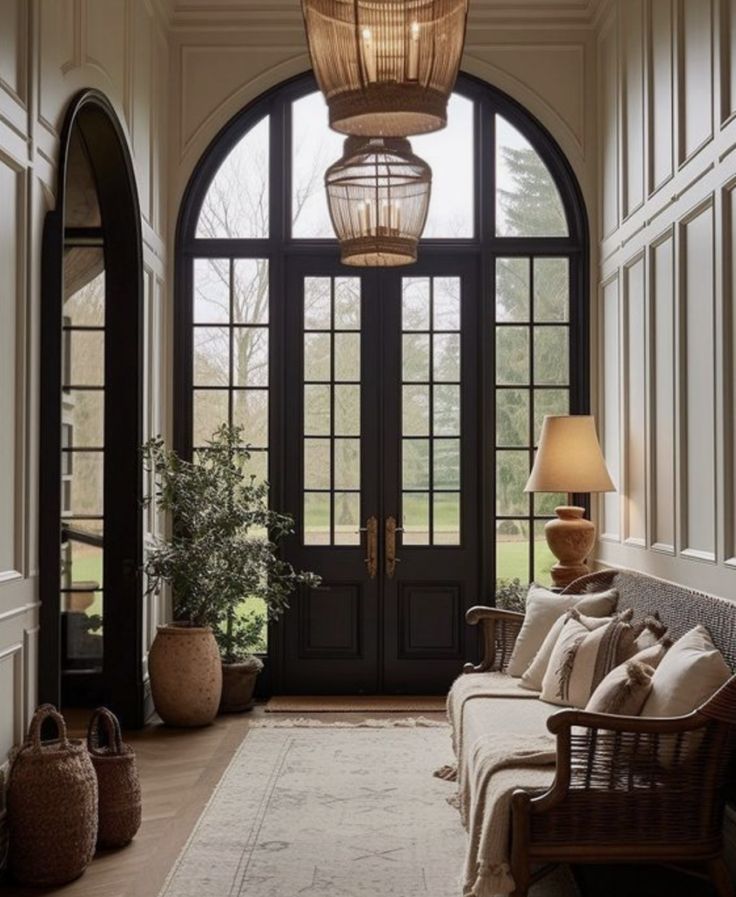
pixel 325 811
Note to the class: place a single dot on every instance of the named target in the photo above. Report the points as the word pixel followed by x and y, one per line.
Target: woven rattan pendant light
pixel 386 67
pixel 378 195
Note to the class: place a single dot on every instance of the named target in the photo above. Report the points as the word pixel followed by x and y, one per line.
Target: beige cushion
pixel 624 690
pixel 543 608
pixel 653 655
pixel 644 634
pixel 691 672
pixel 534 673
pixel 580 660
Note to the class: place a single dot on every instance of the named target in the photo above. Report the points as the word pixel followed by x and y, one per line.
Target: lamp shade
pixel 386 67
pixel 378 197
pixel 569 457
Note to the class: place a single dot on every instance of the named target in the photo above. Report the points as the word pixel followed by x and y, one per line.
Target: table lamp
pixel 569 459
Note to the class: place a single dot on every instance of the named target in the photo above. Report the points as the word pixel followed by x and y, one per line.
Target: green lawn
pixel 512 561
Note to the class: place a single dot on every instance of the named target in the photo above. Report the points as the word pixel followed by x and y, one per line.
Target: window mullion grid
pixel 332 411
pixel 430 422
pixel 532 316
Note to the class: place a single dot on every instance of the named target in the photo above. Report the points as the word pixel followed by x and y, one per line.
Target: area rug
pixel 356 704
pixel 330 811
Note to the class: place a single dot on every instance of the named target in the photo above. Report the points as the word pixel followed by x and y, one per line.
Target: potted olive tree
pixel 222 550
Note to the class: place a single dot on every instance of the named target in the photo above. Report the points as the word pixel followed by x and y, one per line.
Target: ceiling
pixel 209 13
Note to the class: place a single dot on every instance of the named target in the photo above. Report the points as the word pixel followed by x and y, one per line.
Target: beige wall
pixel 50 49
pixel 665 339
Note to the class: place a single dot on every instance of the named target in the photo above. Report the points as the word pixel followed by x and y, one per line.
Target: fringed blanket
pixel 498 765
pixel 469 687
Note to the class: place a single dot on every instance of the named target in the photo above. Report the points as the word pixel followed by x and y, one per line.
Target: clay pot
pixel 238 685
pixel 81 597
pixel 186 675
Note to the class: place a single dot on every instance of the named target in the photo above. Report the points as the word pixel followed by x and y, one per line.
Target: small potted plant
pixel 223 549
pixel 239 641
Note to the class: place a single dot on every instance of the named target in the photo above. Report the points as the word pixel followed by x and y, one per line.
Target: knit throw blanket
pixel 498 765
pixel 469 687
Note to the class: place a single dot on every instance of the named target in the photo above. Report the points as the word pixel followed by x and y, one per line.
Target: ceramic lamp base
pixel 570 538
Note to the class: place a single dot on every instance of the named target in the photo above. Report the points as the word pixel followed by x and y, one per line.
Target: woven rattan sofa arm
pixel 563 721
pixel 500 628
pixel 479 613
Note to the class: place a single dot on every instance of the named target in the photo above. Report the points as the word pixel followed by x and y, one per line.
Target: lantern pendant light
pixel 378 196
pixel 386 67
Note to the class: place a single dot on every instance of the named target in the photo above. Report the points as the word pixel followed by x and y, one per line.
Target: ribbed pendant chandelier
pixel 386 67
pixel 378 196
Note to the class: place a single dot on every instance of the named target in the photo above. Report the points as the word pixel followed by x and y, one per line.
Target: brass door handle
pixel 390 545
pixel 371 531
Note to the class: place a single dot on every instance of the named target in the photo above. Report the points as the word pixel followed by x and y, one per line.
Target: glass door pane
pixel 532 380
pixel 82 463
pixel 332 398
pixel 430 418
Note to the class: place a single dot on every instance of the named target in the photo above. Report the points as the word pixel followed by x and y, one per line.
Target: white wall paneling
pixel 608 127
pixel 728 59
pixel 634 403
pixel 695 52
pixel 13 65
pixel 661 93
pixel 632 91
pixel 11 697
pixel 662 392
pixel 684 230
pixel 728 341
pixel 609 416
pixel 12 360
pixel 698 385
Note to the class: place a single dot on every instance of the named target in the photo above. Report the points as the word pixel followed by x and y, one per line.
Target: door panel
pixel 331 483
pixel 382 475
pixel 431 481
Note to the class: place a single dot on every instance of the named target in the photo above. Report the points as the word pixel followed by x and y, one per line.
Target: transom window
pixel 503 199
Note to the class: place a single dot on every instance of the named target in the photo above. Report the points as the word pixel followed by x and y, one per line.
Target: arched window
pixel 415 394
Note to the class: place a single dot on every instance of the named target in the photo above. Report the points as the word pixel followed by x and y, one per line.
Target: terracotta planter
pixel 238 685
pixel 186 675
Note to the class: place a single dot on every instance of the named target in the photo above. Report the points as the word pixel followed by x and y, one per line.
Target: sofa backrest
pixel 679 607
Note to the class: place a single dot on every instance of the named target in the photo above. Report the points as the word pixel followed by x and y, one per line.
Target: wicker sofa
pixel 612 800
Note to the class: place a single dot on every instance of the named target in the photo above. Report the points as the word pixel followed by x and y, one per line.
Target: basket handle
pixel 44 712
pixel 104 719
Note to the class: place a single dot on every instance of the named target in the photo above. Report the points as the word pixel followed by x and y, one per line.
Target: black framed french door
pixel 381 471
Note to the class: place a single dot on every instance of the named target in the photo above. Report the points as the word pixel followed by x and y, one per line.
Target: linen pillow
pixel 644 634
pixel 690 672
pixel 543 608
pixel 648 632
pixel 623 691
pixel 534 673
pixel 653 655
pixel 580 660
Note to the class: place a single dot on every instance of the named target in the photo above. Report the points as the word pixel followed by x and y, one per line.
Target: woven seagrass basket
pixel 117 778
pixel 52 806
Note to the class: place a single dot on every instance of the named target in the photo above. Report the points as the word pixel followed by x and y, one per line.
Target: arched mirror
pixel 91 539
